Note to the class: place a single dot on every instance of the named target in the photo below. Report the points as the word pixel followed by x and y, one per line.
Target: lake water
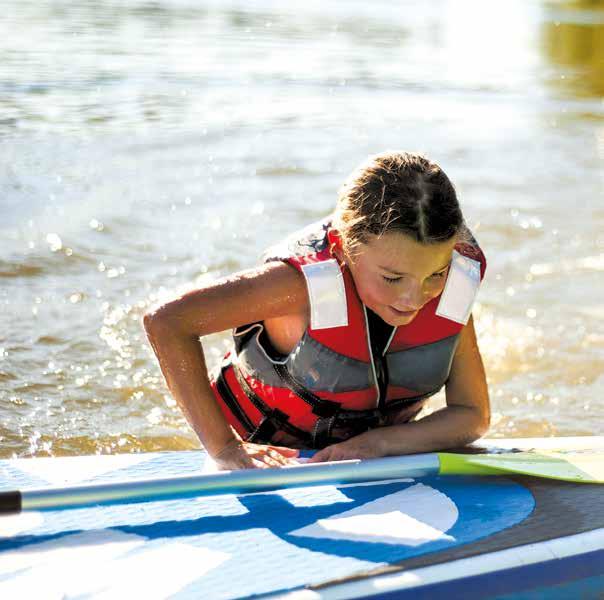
pixel 147 147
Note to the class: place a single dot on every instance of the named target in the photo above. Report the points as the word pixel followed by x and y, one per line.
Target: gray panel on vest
pixel 253 362
pixel 322 370
pixel 316 367
pixel 423 368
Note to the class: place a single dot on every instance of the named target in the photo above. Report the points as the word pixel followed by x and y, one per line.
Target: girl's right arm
pixel 174 329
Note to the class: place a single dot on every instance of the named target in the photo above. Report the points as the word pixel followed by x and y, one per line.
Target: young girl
pixel 342 334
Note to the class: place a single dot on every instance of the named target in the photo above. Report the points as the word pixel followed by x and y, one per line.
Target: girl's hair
pixel 398 191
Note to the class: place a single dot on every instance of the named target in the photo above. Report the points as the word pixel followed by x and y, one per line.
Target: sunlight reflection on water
pixel 150 148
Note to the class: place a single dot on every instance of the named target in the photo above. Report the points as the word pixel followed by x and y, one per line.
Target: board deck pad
pixel 233 546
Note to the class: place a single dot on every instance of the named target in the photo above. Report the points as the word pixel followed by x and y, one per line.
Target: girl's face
pixel 395 276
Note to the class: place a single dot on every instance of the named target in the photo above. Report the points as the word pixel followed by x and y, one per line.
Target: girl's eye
pixel 439 275
pixel 391 279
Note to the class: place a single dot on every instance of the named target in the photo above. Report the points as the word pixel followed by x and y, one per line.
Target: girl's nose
pixel 411 299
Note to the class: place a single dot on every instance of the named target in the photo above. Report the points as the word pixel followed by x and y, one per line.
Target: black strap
pixel 321 433
pixel 400 403
pixel 275 418
pixel 265 430
pixel 321 408
pixel 330 413
pixel 230 400
pixel 368 418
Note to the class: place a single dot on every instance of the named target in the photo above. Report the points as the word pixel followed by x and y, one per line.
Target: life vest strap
pixel 320 407
pixel 330 414
pixel 265 430
pixel 321 433
pixel 400 403
pixel 325 409
pixel 222 387
pixel 274 419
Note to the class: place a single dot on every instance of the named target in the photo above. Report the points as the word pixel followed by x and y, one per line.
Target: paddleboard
pixel 464 536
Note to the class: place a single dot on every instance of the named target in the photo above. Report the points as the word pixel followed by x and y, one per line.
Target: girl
pixel 342 334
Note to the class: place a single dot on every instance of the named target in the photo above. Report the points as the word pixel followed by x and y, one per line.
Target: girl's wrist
pixel 380 441
pixel 386 440
pixel 235 443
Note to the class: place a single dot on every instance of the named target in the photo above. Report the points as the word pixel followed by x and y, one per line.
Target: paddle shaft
pixel 225 482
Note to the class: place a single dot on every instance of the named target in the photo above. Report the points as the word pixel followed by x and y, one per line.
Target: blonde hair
pixel 397 191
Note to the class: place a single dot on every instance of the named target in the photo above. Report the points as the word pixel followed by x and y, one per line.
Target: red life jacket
pixel 335 383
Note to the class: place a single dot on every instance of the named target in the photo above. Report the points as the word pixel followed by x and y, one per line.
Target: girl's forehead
pixel 399 252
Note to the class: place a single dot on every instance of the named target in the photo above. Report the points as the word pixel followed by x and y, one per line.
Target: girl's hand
pixel 365 445
pixel 246 455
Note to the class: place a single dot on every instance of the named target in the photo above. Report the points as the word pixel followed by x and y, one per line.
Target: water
pixel 147 147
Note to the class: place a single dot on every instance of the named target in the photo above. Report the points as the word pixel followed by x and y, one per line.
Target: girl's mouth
pixel 403 313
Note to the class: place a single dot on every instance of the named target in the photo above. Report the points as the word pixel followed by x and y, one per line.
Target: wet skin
pixel 394 276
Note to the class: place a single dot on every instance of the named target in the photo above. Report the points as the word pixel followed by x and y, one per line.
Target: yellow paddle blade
pixel 581 467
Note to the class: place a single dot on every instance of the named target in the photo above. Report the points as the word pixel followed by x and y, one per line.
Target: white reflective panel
pixel 460 290
pixel 326 294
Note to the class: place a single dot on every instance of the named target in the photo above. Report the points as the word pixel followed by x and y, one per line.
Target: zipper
pixel 384 369
pixel 380 366
pixel 389 341
pixel 375 377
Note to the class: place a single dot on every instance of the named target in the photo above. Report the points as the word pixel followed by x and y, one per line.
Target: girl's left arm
pixel 465 418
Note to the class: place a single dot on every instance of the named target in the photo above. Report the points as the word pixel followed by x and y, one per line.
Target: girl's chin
pixel 395 317
pixel 403 314
pixel 402 317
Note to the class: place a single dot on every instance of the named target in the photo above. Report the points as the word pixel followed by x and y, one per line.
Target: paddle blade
pixel 580 467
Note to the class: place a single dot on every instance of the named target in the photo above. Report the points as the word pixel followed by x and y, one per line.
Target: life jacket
pixel 336 383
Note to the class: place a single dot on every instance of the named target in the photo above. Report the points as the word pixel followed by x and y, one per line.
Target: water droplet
pixel 97 225
pixel 54 241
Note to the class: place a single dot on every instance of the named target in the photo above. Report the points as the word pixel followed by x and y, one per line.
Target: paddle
pixel 586 467
pixel 581 467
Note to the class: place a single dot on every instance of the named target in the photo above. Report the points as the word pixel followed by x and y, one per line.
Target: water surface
pixel 147 148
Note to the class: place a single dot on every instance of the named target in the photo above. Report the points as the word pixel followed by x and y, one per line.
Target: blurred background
pixel 148 147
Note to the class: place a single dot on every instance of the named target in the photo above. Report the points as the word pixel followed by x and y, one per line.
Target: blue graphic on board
pixel 232 546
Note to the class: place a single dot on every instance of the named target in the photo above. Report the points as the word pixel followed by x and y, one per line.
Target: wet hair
pixel 398 192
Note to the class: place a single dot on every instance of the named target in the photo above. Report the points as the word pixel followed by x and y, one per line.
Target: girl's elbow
pixel 158 320
pixel 173 319
pixel 148 321
pixel 151 321
pixel 477 424
pixel 483 423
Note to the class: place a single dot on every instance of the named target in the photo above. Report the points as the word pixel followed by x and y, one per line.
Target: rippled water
pixel 148 147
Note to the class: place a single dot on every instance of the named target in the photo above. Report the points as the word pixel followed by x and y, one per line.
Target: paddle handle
pixel 225 482
pixel 10 503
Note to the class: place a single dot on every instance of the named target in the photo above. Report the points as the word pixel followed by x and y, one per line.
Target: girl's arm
pixel 465 418
pixel 174 329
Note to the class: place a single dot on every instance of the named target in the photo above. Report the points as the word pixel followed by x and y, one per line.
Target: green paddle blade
pixel 581 467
